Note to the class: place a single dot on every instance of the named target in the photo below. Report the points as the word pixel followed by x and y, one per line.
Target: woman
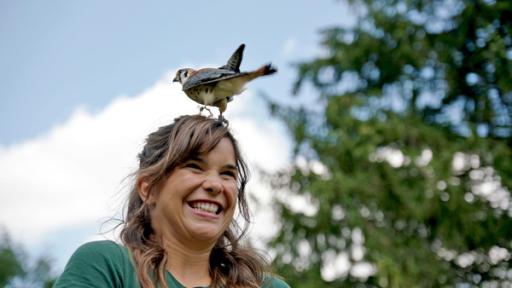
pixel 179 228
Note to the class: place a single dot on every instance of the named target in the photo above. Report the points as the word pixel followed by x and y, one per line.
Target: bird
pixel 217 86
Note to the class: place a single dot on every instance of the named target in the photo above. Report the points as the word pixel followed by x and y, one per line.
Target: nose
pixel 213 185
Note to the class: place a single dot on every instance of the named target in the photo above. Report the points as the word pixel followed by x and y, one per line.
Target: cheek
pixel 232 193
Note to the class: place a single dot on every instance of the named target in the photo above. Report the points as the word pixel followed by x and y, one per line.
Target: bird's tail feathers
pixel 262 71
pixel 266 70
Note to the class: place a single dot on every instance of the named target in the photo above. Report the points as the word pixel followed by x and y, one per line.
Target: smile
pixel 209 207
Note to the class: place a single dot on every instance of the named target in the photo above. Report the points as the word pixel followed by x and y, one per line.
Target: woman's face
pixel 198 200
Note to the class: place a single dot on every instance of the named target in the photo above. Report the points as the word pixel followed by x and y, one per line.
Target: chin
pixel 207 234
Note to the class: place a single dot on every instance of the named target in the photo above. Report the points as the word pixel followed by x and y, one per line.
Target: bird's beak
pixel 176 79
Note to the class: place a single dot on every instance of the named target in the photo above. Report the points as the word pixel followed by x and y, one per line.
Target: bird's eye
pixel 185 73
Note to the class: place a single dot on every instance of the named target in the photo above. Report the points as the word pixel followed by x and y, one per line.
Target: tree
pixel 17 270
pixel 10 266
pixel 406 165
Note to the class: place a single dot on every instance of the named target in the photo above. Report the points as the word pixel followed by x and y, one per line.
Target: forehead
pixel 225 146
pixel 224 151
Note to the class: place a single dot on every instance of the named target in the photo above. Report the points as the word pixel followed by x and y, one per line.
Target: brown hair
pixel 231 265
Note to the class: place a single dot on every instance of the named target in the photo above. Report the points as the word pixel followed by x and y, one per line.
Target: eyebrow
pixel 227 166
pixel 231 167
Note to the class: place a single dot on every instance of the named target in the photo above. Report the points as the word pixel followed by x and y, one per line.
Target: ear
pixel 144 190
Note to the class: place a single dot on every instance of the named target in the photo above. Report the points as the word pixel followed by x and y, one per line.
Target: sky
pixel 83 83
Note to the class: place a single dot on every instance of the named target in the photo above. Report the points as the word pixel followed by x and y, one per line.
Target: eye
pixel 192 165
pixel 229 173
pixel 185 73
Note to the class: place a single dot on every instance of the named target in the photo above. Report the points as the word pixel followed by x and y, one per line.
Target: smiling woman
pixel 179 228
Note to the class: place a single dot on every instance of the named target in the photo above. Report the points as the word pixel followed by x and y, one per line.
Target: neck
pixel 189 265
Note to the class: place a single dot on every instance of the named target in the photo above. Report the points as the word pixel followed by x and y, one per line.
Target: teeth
pixel 207 207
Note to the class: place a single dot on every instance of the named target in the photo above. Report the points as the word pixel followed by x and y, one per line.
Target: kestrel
pixel 217 86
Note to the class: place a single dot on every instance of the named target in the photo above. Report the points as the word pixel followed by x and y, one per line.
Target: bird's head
pixel 182 75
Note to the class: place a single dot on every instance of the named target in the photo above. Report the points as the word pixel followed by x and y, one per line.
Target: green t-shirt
pixel 106 264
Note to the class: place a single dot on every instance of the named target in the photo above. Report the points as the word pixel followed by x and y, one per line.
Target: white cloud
pixel 290 46
pixel 74 173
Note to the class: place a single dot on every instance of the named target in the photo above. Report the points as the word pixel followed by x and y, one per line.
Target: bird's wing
pixel 208 76
pixel 235 60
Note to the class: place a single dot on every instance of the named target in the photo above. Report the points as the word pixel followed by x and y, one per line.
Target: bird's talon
pixel 205 108
pixel 223 120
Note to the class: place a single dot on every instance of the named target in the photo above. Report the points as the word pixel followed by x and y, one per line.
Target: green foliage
pixel 412 149
pixel 16 270
pixel 10 266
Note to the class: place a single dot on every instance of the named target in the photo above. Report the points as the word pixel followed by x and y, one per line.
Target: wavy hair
pixel 230 263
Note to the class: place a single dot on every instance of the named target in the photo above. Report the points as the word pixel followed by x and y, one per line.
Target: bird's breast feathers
pixel 208 94
pixel 230 87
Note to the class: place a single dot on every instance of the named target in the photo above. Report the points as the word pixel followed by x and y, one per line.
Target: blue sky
pixel 57 55
pixel 83 82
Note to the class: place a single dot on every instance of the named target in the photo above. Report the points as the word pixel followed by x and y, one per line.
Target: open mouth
pixel 208 207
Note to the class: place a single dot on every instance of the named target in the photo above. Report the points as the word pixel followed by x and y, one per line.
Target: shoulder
pixel 272 281
pixel 102 247
pixel 98 262
pixel 102 251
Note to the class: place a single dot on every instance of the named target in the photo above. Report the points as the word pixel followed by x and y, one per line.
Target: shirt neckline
pixel 177 283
